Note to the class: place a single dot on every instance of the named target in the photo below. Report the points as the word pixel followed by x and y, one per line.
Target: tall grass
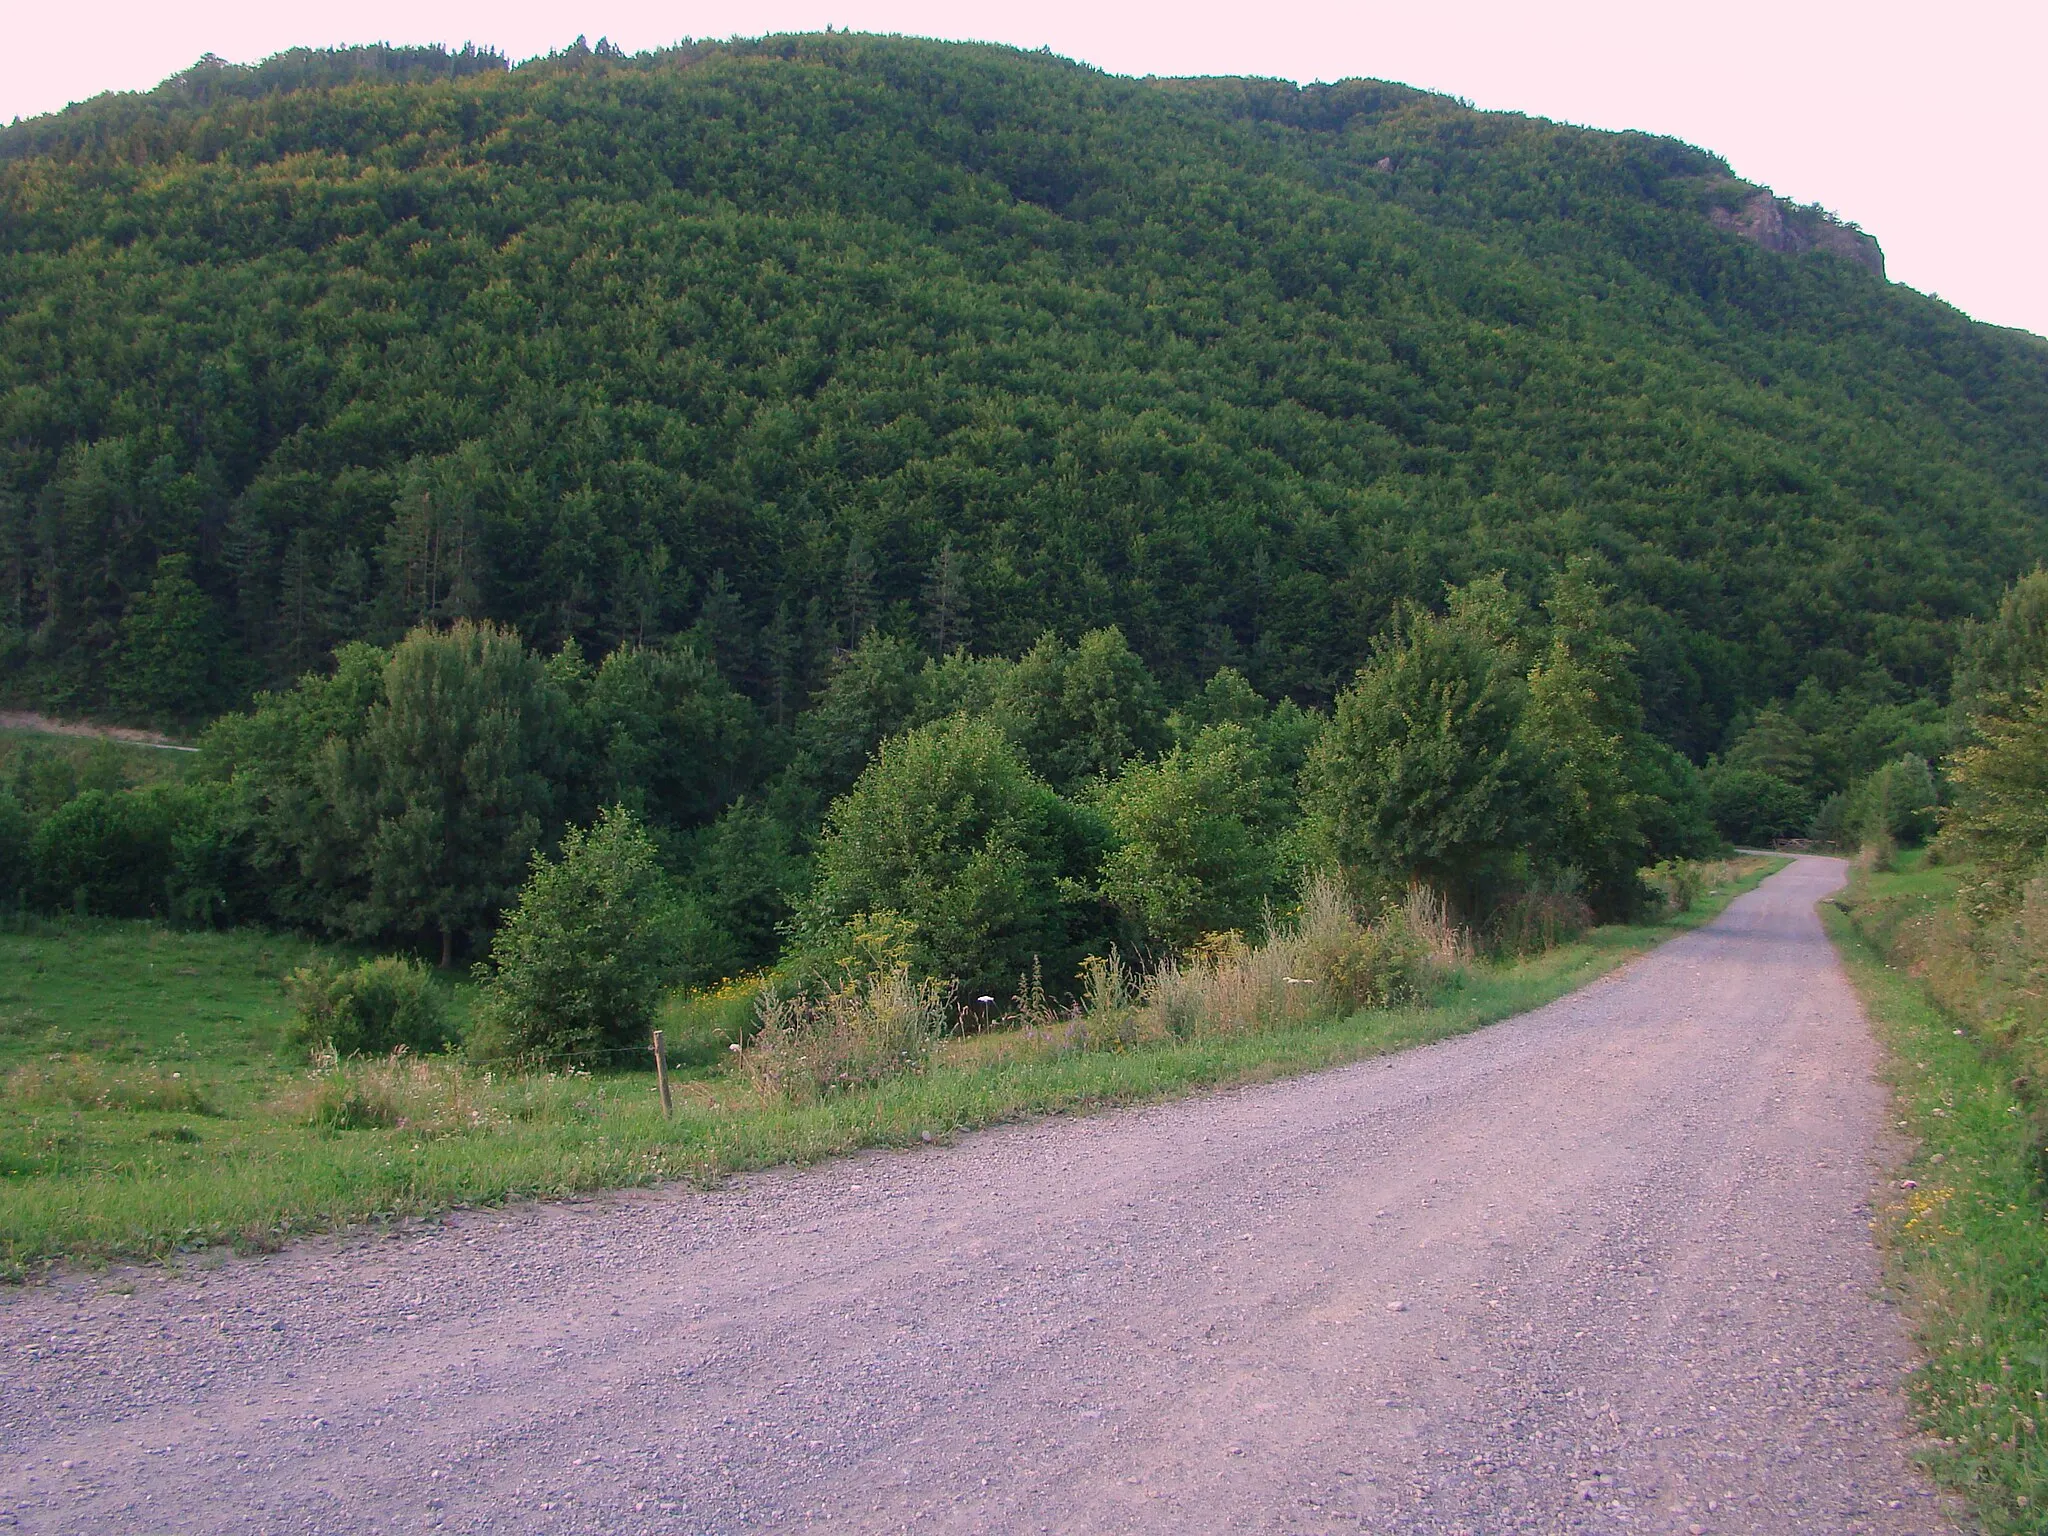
pixel 294 1150
pixel 1966 1235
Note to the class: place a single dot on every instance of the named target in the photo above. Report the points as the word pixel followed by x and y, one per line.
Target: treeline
pixel 989 817
pixel 753 349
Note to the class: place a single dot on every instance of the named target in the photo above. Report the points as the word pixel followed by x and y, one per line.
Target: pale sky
pixel 1925 124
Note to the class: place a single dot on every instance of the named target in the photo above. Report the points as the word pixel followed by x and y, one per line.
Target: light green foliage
pixel 950 831
pixel 370 1008
pixel 1423 773
pixel 1080 712
pixel 578 968
pixel 1999 816
pixel 450 785
pixel 1191 853
pixel 1584 724
pixel 2003 660
pixel 1775 744
pixel 170 652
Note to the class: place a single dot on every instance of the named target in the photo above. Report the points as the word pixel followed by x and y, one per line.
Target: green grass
pixel 83 1181
pixel 1968 1243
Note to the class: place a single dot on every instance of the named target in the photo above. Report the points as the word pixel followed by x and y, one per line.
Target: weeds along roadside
pixel 1959 1010
pixel 410 1135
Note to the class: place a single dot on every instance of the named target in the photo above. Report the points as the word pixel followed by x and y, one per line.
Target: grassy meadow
pixel 150 1101
pixel 1963 1225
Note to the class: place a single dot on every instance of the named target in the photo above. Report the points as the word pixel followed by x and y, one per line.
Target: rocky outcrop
pixel 1777 225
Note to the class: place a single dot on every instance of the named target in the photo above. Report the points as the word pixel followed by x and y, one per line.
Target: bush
pixel 1189 855
pixel 369 1009
pixel 581 962
pixel 1676 883
pixel 1534 922
pixel 17 834
pixel 971 854
pixel 1754 807
pixel 110 855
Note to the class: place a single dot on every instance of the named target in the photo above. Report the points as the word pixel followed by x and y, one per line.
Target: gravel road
pixel 1604 1267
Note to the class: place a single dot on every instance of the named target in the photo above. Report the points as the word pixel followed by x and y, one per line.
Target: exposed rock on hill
pixel 1778 225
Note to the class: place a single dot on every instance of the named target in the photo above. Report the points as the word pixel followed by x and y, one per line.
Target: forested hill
pixel 778 341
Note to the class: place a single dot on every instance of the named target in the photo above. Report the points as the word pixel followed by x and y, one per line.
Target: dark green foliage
pixel 451 784
pixel 580 964
pixel 369 1009
pixel 788 343
pixel 1754 809
pixel 747 877
pixel 167 663
pixel 669 738
pixel 1080 712
pixel 1423 774
pixel 950 837
pixel 16 834
pixel 107 855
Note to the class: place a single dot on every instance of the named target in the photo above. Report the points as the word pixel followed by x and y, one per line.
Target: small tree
pixel 950 832
pixel 1189 855
pixel 581 962
pixel 1422 774
pixel 170 654
pixel 449 785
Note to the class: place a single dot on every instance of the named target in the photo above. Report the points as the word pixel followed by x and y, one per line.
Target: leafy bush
pixel 1189 855
pixel 369 1009
pixel 1422 775
pixel 1676 883
pixel 110 855
pixel 581 962
pixel 950 832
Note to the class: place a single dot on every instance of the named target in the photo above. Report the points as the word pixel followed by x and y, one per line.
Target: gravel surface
pixel 1604 1267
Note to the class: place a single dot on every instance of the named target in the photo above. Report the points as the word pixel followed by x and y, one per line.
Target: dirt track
pixel 1601 1268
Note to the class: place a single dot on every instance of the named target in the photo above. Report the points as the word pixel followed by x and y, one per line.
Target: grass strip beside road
pixel 1963 1230
pixel 93 1184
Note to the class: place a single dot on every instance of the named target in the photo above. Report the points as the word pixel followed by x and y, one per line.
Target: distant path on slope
pixel 127 735
pixel 1603 1268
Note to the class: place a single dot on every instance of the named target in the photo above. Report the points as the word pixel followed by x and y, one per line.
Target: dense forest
pixel 776 341
pixel 704 432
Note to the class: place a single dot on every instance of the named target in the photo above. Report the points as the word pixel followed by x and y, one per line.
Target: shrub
pixel 1534 922
pixel 1422 774
pixel 431 1096
pixel 581 962
pixel 1676 883
pixel 1189 855
pixel 809 1046
pixel 105 854
pixel 369 1009
pixel 951 833
pixel 17 833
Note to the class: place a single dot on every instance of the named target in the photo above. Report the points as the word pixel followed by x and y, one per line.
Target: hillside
pixel 774 339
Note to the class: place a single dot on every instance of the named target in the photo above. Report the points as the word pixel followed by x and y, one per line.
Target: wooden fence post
pixel 668 1109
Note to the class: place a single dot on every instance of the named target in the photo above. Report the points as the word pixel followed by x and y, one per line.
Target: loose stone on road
pixel 1605 1267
